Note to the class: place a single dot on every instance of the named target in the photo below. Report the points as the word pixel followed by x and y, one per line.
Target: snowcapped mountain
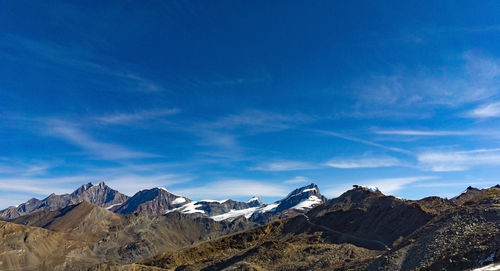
pixel 298 201
pixel 100 195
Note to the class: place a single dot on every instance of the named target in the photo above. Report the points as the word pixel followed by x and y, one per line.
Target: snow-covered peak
pixel 311 188
pixel 253 199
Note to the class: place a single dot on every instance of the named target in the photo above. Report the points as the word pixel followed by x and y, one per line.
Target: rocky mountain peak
pixel 100 195
pixel 155 201
pixel 254 202
pixel 302 198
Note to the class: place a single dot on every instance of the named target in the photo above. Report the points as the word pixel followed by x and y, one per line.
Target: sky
pixel 234 99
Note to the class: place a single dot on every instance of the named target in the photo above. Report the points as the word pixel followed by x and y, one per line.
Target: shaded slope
pixel 371 215
pixel 465 237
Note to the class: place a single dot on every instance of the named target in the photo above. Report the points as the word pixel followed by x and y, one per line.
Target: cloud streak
pixel 362 141
pixel 441 161
pixel 73 135
pixel 128 118
pixel 491 110
pixel 363 162
pixel 284 166
pixel 47 54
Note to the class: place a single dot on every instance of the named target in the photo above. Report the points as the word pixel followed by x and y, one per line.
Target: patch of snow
pixel 373 189
pixel 214 201
pixel 268 208
pixel 253 199
pixel 490 267
pixel 189 208
pixel 112 205
pixel 308 203
pixel 235 213
pixel 162 188
pixel 179 200
pixel 309 189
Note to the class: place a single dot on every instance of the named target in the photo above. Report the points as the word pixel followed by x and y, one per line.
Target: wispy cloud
pixel 423 133
pixel 491 110
pixel 363 162
pixel 258 121
pixel 223 133
pixel 127 118
pixel 393 94
pixel 234 188
pixel 458 160
pixel 10 166
pixel 362 141
pixel 75 136
pixel 385 185
pixel 284 166
pixel 298 180
pixel 47 54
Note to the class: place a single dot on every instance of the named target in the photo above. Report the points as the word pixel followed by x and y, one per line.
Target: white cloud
pixel 72 134
pixel 386 185
pixel 491 110
pixel 46 54
pixel 458 160
pixel 363 162
pixel 233 188
pixel 359 140
pixel 284 166
pixel 298 180
pixel 258 121
pixel 403 91
pixel 127 118
pixel 423 133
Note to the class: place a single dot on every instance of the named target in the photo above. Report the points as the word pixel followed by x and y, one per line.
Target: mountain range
pixel 98 228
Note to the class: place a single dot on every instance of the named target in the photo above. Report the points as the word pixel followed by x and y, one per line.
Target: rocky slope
pixel 100 195
pixel 464 237
pixel 90 235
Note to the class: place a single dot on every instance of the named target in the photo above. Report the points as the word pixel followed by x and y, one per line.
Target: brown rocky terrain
pixel 461 238
pixel 362 229
pixel 94 235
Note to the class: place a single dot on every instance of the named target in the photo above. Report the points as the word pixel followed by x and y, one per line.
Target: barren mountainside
pixel 362 229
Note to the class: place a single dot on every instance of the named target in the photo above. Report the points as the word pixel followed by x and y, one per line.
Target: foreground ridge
pixel 362 229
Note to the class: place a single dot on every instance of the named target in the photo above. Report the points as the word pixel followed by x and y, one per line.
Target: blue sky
pixel 230 99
